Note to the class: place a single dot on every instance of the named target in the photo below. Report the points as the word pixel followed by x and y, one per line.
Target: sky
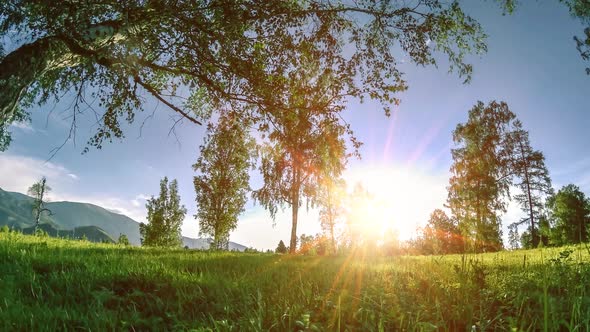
pixel 531 63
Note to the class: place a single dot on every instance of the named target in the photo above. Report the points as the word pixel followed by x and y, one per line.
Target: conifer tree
pixel 281 249
pixel 532 178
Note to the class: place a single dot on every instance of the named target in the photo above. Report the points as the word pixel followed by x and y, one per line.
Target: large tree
pixel 222 184
pixel 532 178
pixel 165 216
pixel 306 142
pixel 570 215
pixel 213 52
pixel 39 191
pixel 481 174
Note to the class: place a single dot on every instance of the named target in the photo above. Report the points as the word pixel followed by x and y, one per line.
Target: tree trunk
pixel 534 237
pixel 40 205
pixel 295 211
pixel 332 236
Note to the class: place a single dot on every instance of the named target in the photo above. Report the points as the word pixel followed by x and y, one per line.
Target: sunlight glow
pixel 402 198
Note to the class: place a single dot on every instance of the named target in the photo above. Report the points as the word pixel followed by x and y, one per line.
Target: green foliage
pixel 38 191
pixel 313 245
pixel 493 154
pixel 580 9
pixel 281 248
pixel 481 174
pixel 165 216
pixel 305 143
pixel 513 237
pixel 239 52
pixel 569 215
pixel 332 198
pixel 441 235
pixel 528 167
pixel 123 240
pixel 51 284
pixel 222 185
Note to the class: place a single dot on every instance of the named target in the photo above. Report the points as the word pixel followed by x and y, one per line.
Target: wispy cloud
pixel 24 126
pixel 73 176
pixel 18 173
pixel 139 200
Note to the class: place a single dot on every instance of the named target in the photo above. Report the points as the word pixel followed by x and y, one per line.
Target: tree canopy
pixel 570 215
pixel 195 55
pixel 532 178
pixel 39 191
pixel 481 174
pixel 581 9
pixel 165 216
pixel 226 157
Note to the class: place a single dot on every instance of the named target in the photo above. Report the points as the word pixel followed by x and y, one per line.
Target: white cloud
pixel 73 176
pixel 18 173
pixel 137 201
pixel 24 126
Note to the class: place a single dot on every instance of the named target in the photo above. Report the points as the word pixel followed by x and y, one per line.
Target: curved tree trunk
pixel 23 66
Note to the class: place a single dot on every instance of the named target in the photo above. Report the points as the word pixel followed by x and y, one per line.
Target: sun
pixel 400 200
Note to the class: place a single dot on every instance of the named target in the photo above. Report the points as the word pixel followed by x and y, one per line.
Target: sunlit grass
pixel 52 284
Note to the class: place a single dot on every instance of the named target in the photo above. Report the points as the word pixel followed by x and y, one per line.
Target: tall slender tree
pixel 481 174
pixel 332 195
pixel 222 184
pixel 513 236
pixel 305 142
pixel 532 178
pixel 165 216
pixel 39 191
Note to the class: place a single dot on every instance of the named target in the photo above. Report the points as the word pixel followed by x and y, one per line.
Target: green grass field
pixel 53 284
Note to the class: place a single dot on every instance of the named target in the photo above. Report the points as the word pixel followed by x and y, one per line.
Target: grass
pixel 54 284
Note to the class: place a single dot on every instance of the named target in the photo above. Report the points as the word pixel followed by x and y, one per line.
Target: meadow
pixel 55 284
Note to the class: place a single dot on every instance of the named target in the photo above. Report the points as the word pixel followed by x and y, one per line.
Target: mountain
pixel 91 233
pixel 202 243
pixel 77 219
pixel 68 215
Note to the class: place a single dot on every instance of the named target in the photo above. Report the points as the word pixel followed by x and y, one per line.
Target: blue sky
pixel 531 63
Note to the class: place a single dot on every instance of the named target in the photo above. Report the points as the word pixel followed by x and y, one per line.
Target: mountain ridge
pixel 15 212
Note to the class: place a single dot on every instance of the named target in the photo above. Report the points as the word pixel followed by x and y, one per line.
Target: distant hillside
pixel 204 244
pixel 69 215
pixel 91 233
pixel 15 211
